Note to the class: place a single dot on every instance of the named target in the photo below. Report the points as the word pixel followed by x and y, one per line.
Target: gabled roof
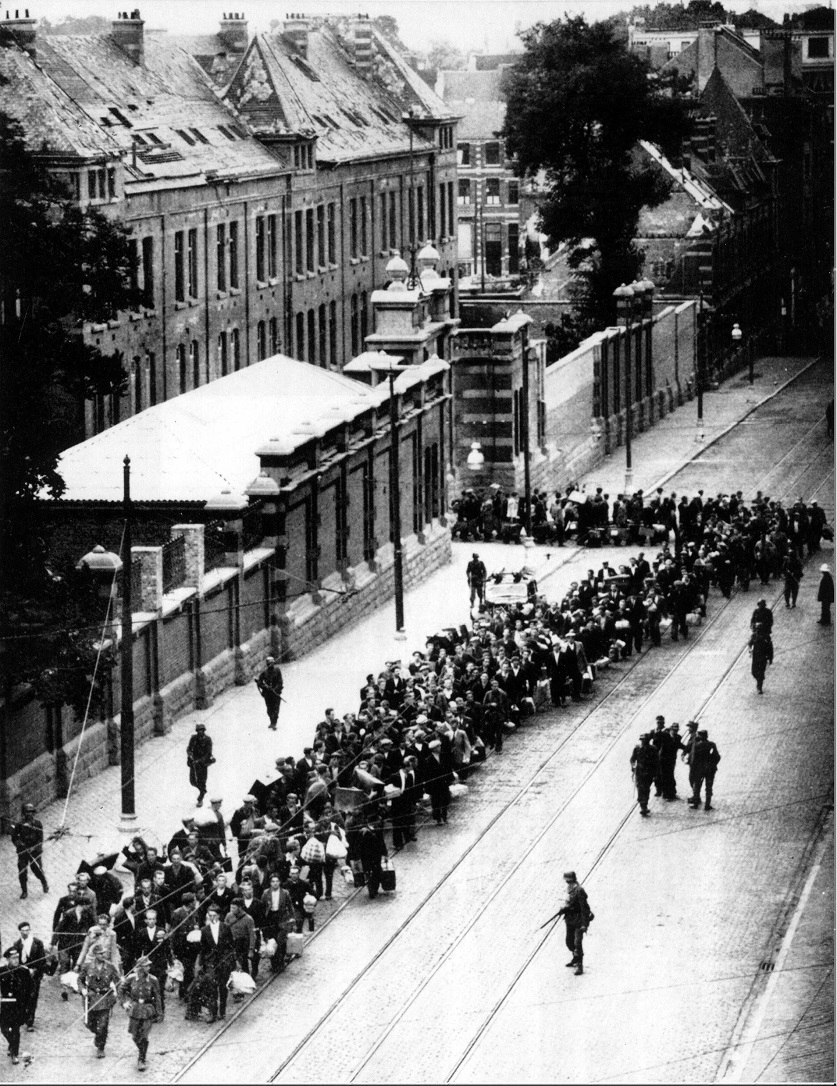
pixel 84 95
pixel 476 97
pixel 704 196
pixel 280 92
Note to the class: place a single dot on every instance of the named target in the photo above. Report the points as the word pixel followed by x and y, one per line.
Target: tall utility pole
pixel 126 730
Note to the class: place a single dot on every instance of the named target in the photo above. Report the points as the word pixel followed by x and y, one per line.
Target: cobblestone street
pixel 711 956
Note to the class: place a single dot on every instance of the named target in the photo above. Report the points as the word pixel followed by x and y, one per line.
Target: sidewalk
pixel 330 676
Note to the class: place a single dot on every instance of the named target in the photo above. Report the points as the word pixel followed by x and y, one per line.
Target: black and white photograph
pixel 417 518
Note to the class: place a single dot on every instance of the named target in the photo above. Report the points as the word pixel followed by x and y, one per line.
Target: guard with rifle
pixel 270 685
pixel 577 917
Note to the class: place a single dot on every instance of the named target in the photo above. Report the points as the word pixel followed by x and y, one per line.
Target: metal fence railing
pixel 174 563
pixel 215 541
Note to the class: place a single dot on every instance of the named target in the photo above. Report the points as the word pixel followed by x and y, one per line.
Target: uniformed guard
pixel 577 917
pixel 97 982
pixel 28 839
pixel 140 993
pixel 270 685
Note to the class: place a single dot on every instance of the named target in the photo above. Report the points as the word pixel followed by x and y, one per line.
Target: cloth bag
pixel 241 982
pixel 336 848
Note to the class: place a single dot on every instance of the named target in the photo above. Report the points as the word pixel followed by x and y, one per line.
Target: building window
pixel 151 369
pixel 235 346
pixel 261 340
pixel 193 264
pixel 332 333
pixel 443 218
pixel 323 335
pixel 299 229
pixel 112 184
pixel 148 272
pixel 181 367
pixel 195 363
pixel 137 374
pixel 463 154
pixel 179 276
pixel 332 246
pixel 221 256
pixel 464 191
pixel 321 236
pixel 309 240
pixel 353 249
pixel 223 358
pixel 270 242
pixel 233 256
pixel 394 232
pixel 514 248
pixel 312 336
pixel 516 421
pixel 493 249
pixel 451 209
pixel 420 201
pixel 364 319
pixel 260 271
pixel 492 153
pixel 274 335
pixel 492 190
pixel 355 326
pixel 300 336
pixel 363 225
pixel 133 249
pixel 384 223
pixel 818 48
pixel 514 192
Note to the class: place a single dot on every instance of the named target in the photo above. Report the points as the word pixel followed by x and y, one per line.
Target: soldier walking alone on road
pixel 270 685
pixel 199 759
pixel 476 574
pixel 825 595
pixel 761 650
pixel 792 573
pixel 28 839
pixel 705 758
pixel 577 917
pixel 644 767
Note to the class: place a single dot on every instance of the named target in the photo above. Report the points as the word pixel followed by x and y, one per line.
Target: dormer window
pixel 446 137
pixel 304 156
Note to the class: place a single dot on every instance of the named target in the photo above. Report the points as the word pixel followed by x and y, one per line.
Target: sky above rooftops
pixel 420 21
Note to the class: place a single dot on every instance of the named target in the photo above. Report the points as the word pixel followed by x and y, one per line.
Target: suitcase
pixel 296 944
pixel 387 876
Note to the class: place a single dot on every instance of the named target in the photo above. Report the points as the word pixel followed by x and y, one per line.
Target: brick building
pixel 266 182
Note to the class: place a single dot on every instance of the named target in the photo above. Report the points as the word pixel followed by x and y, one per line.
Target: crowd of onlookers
pixel 419 729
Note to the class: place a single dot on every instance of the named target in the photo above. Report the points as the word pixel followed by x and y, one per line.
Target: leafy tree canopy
pixel 76 24
pixel 577 103
pixel 675 17
pixel 59 267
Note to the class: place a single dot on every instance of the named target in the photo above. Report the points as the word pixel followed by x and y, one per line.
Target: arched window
pixel 274 335
pixel 355 326
pixel 235 342
pixel 261 340
pixel 312 336
pixel 195 362
pixel 137 372
pixel 300 337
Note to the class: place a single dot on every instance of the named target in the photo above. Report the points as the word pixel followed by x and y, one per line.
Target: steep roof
pixel 280 92
pixel 477 98
pixel 83 95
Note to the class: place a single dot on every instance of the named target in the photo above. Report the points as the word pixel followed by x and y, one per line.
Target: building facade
pixel 266 183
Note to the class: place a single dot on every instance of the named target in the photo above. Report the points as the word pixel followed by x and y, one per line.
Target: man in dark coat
pixel 270 685
pixel 217 956
pixel 668 746
pixel 199 758
pixel 152 943
pixel 476 573
pixel 28 839
pixel 705 759
pixel 403 806
pixel 371 849
pixel 15 997
pixel 33 956
pixel 278 921
pixel 825 595
pixel 644 767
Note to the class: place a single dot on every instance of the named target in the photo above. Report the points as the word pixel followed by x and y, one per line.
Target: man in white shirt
pixel 34 956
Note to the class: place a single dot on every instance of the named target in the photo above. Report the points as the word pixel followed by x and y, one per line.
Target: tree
pixel 60 266
pixel 577 103
pixel 76 24
pixel 443 55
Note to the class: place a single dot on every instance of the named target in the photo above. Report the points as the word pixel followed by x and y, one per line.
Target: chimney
pixel 23 30
pixel 707 45
pixel 126 31
pixel 233 33
pixel 362 44
pixel 295 29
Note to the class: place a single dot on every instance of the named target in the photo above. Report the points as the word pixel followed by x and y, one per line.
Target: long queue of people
pixel 203 918
pixel 768 530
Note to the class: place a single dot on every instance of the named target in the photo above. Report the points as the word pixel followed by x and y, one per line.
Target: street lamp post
pixel 129 816
pixel 699 358
pixel 391 369
pixel 736 341
pixel 624 296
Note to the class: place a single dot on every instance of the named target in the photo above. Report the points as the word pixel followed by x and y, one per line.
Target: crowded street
pixel 709 955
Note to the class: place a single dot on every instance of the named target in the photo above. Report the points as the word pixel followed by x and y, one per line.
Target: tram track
pixel 812 465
